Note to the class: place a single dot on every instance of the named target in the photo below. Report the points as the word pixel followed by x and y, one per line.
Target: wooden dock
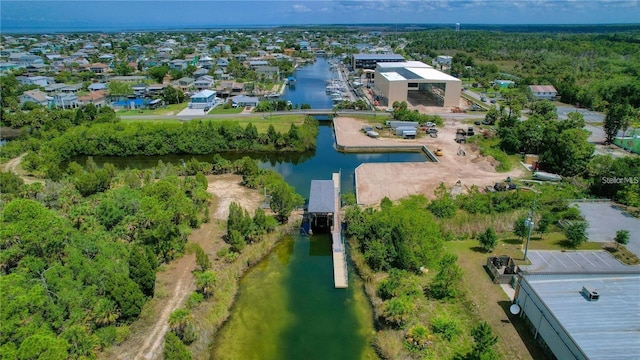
pixel 340 276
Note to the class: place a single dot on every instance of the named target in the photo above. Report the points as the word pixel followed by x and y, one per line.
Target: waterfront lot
pixel 398 180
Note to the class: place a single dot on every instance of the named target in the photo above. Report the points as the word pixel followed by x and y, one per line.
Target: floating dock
pixel 340 276
pixel 324 212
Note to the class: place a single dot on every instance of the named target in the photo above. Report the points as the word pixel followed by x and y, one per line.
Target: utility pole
pixel 529 223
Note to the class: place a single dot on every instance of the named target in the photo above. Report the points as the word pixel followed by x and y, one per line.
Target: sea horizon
pixel 63 29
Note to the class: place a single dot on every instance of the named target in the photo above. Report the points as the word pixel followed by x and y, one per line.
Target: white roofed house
pixel 269 72
pixel 544 92
pixel 65 101
pixel 244 100
pixel 202 99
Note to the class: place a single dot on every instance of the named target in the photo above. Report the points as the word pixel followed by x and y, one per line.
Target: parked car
pixel 379 126
pixel 477 122
pixel 432 131
pixel 493 101
pixel 429 124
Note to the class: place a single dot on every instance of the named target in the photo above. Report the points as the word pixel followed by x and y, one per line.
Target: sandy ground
pixel 398 180
pixel 14 166
pixel 175 282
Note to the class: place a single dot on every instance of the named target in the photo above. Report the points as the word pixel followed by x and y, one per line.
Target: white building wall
pixel 546 325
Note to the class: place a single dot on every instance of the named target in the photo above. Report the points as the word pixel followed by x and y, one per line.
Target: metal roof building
pixel 321 197
pixel 572 324
pixel 369 61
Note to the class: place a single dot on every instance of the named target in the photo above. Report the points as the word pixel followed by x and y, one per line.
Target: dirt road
pixel 175 282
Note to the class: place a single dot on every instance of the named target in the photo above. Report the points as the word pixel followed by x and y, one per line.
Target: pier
pixel 324 212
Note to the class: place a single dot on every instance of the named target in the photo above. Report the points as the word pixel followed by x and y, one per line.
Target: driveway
pixel 605 219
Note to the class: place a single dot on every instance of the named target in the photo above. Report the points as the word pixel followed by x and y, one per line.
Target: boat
pixel 272 95
pixel 545 176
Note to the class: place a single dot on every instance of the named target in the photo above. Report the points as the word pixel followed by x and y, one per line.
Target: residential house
pixel 128 78
pixel 205 62
pixel 200 72
pixel 155 89
pixel 65 101
pixel 62 88
pixel 139 90
pixel 544 92
pixel 204 82
pixel 37 68
pixel 97 98
pixel 222 62
pixel 244 100
pixel 35 96
pixel 98 68
pixel 35 80
pixel 269 72
pixel 202 99
pixel 444 60
pixel 178 64
pixel 184 83
pixel 241 57
pixel 96 87
pixel 255 63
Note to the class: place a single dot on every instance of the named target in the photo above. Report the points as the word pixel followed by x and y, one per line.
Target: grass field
pixel 171 109
pixel 222 110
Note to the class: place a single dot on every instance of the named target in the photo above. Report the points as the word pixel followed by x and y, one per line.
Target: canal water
pixel 287 306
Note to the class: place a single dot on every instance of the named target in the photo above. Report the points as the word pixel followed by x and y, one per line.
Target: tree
pixel 119 89
pixel 443 206
pixel 622 238
pixel 174 348
pixel 172 95
pixel 544 223
pixel 158 73
pixel 488 239
pixel 569 154
pixel 484 340
pixel 202 259
pixel 181 324
pixel 520 228
pixel 141 272
pixel 206 282
pixel 447 280
pixel 236 240
pixel 576 233
pixel 283 200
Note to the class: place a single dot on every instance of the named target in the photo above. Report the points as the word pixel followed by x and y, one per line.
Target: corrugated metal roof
pixel 543 88
pixel 605 329
pixel 322 196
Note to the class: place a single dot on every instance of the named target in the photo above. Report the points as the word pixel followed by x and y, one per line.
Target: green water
pixel 288 308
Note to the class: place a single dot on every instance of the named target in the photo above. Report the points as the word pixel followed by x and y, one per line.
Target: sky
pixel 114 14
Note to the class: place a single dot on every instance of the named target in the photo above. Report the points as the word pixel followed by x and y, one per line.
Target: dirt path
pixel 175 282
pixel 13 166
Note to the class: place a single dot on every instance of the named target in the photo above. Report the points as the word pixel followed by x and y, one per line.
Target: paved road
pixel 292 112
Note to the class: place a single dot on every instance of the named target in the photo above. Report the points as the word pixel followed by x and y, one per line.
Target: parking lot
pixel 589 116
pixel 552 261
pixel 605 219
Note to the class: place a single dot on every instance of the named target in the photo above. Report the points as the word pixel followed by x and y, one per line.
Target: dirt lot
pixel 398 180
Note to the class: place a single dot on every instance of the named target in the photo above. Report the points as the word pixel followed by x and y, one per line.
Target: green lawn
pixel 222 110
pixel 171 109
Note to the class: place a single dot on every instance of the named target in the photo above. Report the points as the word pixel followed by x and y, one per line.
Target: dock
pixel 324 212
pixel 340 275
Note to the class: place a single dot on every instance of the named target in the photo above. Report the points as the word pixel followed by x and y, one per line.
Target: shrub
pixel 194 300
pixel 418 337
pixel 488 239
pixel 446 326
pixel 398 310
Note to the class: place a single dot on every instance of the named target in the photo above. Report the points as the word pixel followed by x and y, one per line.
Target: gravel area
pixel 398 180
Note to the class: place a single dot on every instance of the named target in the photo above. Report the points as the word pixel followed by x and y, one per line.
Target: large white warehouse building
pixel 416 83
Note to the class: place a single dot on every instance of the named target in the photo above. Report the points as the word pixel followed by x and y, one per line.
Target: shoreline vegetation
pixel 210 316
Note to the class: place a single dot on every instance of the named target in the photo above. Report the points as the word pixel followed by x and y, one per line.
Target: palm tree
pixel 206 282
pixel 105 312
pixel 181 323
